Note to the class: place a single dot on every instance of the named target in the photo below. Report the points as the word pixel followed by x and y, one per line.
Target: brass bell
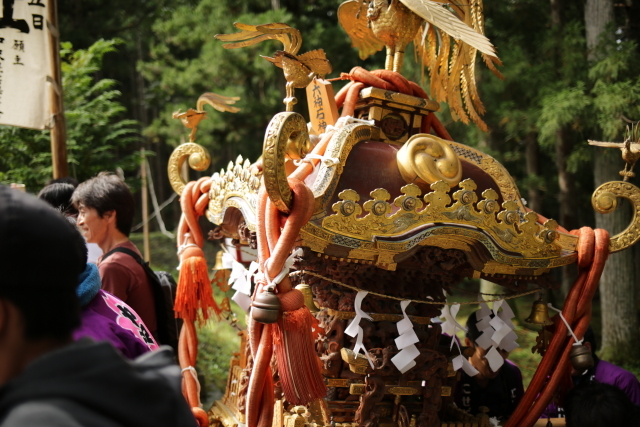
pixel 308 297
pixel 581 357
pixel 265 308
pixel 219 265
pixel 539 314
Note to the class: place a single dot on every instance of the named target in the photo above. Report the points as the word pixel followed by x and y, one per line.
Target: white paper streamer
pixel 449 327
pixel 495 359
pixel 243 300
pixel 504 338
pixel 405 360
pixel 462 362
pixel 288 264
pixel 354 329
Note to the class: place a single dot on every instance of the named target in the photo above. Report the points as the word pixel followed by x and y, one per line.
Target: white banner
pixel 24 64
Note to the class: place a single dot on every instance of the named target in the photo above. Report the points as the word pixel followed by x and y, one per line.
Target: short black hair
pixel 472 327
pixel 59 195
pixel 599 404
pixel 41 258
pixel 107 192
pixel 65 180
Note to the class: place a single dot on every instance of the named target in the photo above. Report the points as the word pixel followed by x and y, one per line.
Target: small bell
pixel 539 314
pixel 219 265
pixel 308 297
pixel 265 308
pixel 581 357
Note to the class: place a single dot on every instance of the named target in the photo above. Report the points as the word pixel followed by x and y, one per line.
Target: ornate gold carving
pixel 236 187
pixel 199 159
pixel 506 184
pixel 445 391
pixel 353 358
pixel 426 105
pixel 337 382
pixel 299 70
pixel 444 236
pixel 356 389
pixel 221 413
pixel 513 233
pixel 286 134
pixel 604 201
pixel 403 391
pixel 339 147
pixel 425 159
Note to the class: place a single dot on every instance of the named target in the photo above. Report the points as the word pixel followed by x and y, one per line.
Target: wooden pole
pixel 59 129
pixel 145 208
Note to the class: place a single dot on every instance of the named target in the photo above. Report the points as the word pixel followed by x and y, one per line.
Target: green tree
pixel 98 138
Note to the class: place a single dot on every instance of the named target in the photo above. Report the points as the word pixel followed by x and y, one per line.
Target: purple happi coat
pixel 106 318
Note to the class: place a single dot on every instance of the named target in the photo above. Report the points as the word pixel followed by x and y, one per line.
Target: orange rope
pixel 593 247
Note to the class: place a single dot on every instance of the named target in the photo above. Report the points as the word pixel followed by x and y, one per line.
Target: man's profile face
pixel 480 362
pixel 94 228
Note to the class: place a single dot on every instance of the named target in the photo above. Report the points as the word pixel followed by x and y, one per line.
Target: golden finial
pixel 299 70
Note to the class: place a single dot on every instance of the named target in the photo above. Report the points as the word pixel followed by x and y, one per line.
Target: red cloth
pixel 123 277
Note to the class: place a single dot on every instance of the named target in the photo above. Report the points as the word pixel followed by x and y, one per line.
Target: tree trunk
pixel 566 199
pixel 597 15
pixel 534 200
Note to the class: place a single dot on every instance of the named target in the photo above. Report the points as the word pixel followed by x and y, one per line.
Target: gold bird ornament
pixel 630 150
pixel 430 24
pixel 299 70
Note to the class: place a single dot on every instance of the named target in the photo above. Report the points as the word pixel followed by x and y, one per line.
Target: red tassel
pixel 194 296
pixel 298 365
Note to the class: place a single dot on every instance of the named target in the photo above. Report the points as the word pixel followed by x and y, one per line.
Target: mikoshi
pixel 342 240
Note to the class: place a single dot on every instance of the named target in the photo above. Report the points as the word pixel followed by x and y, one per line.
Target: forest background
pixel 572 73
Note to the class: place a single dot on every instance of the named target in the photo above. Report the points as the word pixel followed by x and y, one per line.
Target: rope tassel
pixel 194 287
pixel 298 362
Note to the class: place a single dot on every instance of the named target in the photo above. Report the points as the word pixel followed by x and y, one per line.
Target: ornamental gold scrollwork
pixel 236 187
pixel 605 200
pixel 286 135
pixel 425 159
pixel 199 159
pixel 524 236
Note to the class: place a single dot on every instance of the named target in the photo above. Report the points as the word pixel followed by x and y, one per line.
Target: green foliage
pixel 97 136
pixel 186 61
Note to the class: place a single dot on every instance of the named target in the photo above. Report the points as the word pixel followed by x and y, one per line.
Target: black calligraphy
pixel 18 45
pixel 7 20
pixel 17 62
pixel 318 104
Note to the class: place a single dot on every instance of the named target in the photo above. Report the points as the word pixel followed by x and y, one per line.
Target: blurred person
pixel 601 372
pixel 65 180
pixel 499 391
pixel 58 195
pixel 600 405
pixel 105 214
pixel 45 377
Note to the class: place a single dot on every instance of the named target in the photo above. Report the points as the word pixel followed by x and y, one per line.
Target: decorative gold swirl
pixel 425 159
pixel 199 159
pixel 604 200
pixel 286 133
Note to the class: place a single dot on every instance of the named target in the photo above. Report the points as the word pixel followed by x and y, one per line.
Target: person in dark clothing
pixel 499 391
pixel 599 404
pixel 601 372
pixel 45 377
